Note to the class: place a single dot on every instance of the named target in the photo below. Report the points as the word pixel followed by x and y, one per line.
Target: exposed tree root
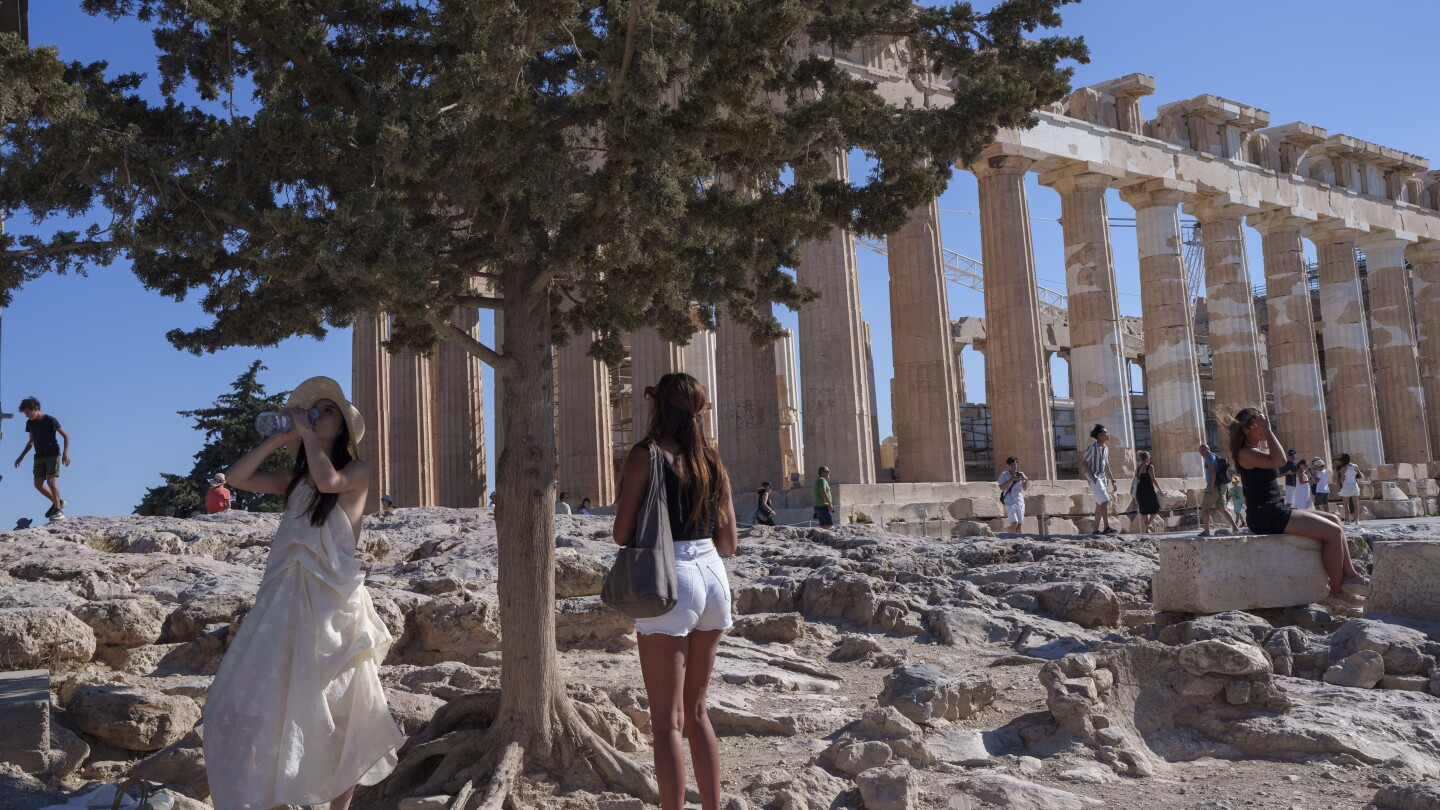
pixel 470 754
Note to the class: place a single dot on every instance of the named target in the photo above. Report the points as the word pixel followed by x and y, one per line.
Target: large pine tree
pixel 229 428
pixel 633 159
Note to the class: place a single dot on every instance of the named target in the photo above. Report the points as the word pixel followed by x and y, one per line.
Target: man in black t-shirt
pixel 43 428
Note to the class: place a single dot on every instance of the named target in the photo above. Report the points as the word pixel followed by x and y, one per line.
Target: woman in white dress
pixel 1304 478
pixel 296 714
pixel 1350 476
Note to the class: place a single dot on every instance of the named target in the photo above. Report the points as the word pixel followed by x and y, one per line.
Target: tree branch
pixel 451 332
pixel 50 250
pixel 480 301
pixel 619 82
pixel 342 94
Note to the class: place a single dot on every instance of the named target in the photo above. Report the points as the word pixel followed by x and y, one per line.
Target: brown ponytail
pixel 1234 427
pixel 679 408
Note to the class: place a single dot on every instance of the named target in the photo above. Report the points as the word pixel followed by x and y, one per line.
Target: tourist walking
pixel 677 649
pixel 1322 484
pixel 1147 491
pixel 1304 498
pixel 764 512
pixel 1268 514
pixel 1095 465
pixel 296 714
pixel 1013 485
pixel 1288 470
pixel 217 497
pixel 1350 476
pixel 43 428
pixel 1237 501
pixel 824 505
pixel 1217 472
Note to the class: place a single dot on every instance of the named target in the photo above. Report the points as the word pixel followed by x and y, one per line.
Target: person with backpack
pixel 1013 484
pixel 1217 472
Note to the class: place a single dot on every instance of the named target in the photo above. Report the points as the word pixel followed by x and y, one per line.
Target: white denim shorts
pixel 1015 512
pixel 704 601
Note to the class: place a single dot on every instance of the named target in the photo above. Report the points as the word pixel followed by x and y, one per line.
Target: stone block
pixel 1406 508
pixel 1239 572
pixel 977 508
pixel 1406 579
pixel 25 719
pixel 1394 472
pixel 1427 488
pixel 1048 505
pixel 1407 488
pixel 1388 491
pixel 1058 525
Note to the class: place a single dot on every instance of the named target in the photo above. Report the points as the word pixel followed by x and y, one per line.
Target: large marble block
pixel 25 720
pixel 1406 579
pixel 1240 572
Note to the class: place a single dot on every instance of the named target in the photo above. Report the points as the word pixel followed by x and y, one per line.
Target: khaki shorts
pixel 47 467
pixel 1212 499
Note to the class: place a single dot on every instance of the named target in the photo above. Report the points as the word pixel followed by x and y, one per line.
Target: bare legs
pixel 677 674
pixel 342 802
pixel 50 488
pixel 1333 551
pixel 1352 508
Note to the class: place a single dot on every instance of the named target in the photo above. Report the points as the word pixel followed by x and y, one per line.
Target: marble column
pixel 460 418
pixel 587 469
pixel 787 393
pixel 1294 362
pixel 1425 259
pixel 1097 349
pixel 370 388
pixel 1399 397
pixel 700 363
pixel 834 381
pixel 650 359
pixel 412 430
pixel 1015 373
pixel 1172 377
pixel 749 408
pixel 1349 375
pixel 499 346
pixel 1229 298
pixel 925 392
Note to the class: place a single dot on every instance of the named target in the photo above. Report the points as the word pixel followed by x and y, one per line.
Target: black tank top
pixel 1261 485
pixel 677 503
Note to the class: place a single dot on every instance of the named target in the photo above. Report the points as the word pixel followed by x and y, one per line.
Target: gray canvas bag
pixel 642 584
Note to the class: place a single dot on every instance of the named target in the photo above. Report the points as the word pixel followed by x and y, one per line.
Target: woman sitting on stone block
pixel 1265 508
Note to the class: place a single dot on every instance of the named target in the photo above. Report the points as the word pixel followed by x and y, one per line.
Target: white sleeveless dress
pixel 296 714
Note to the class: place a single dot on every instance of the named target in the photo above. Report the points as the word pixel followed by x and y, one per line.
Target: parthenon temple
pixel 1346 351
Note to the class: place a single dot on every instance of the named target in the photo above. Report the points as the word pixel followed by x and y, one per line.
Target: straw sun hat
pixel 307 393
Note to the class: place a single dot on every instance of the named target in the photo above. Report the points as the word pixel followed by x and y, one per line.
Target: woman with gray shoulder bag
pixel 674 519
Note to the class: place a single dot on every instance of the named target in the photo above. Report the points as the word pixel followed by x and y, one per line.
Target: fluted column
pixel 1097 350
pixel 748 409
pixel 1234 344
pixel 1349 376
pixel 650 359
pixel 1172 377
pixel 1015 372
pixel 461 420
pixel 1398 394
pixel 412 430
pixel 787 393
pixel 700 363
pixel 586 466
pixel 370 388
pixel 834 380
pixel 1294 362
pixel 1425 259
pixel 925 391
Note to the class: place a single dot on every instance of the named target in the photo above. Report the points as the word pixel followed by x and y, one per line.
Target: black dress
pixel 1265 508
pixel 1147 500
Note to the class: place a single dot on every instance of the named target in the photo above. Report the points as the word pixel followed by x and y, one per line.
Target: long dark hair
pixel 321 502
pixel 1234 427
pixel 680 403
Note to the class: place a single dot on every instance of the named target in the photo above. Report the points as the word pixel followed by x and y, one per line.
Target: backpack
pixel 1222 471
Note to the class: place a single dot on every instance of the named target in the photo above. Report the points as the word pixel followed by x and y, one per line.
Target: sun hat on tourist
pixel 217 480
pixel 307 393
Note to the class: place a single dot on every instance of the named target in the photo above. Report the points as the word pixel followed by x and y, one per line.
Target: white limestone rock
pixel 32 637
pixel 892 788
pixel 1022 794
pixel 1223 657
pixel 1362 670
pixel 132 718
pixel 925 693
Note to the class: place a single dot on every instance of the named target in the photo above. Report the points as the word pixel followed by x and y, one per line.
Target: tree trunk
pixel 525 521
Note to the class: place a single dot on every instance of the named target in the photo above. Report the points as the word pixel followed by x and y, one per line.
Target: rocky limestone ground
pixel 866 669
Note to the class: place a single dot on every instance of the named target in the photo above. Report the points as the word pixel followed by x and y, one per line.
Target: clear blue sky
pixel 93 348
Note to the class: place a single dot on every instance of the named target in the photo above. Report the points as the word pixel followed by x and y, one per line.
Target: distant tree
pixel 643 162
pixel 229 428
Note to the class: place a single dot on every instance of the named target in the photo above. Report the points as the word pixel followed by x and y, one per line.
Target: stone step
pixel 1406 579
pixel 1238 572
pixel 25 719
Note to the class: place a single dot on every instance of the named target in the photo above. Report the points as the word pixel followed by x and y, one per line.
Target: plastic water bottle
pixel 271 423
